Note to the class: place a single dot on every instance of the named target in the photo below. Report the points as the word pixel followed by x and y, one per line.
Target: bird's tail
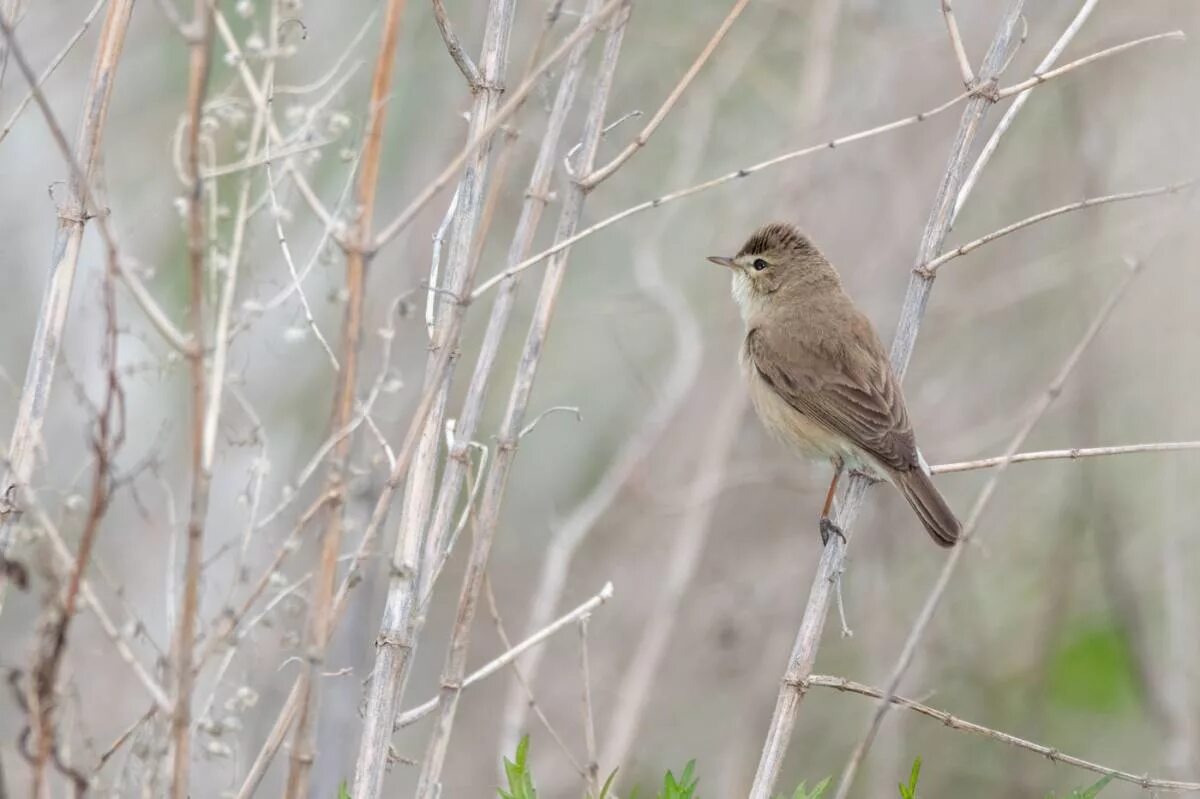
pixel 935 514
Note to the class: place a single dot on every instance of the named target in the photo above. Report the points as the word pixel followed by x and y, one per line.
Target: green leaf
pixel 802 791
pixel 604 789
pixel 520 781
pixel 1091 792
pixel 682 788
pixel 343 791
pixel 910 791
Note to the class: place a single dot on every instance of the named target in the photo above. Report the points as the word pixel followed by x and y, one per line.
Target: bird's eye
pixel 759 264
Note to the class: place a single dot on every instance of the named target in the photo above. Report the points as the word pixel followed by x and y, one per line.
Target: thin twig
pixel 953 722
pixel 788 156
pixel 960 51
pixel 422 710
pixel 465 65
pixel 1040 78
pixel 1090 202
pixel 515 100
pixel 597 176
pixel 1015 107
pixel 53 65
pixel 1065 454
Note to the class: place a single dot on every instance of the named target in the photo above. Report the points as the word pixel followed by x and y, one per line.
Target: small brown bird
pixel 820 378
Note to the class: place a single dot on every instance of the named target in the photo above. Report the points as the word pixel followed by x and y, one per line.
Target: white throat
pixel 747 300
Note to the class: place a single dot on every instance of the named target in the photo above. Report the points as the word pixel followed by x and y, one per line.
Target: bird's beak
pixel 721 260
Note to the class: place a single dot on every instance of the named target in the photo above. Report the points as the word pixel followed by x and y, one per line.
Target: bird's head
pixel 776 256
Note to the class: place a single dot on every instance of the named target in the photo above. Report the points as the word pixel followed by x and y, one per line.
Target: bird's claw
pixel 828 528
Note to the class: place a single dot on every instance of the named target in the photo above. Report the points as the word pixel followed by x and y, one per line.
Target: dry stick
pixel 504 160
pixel 955 723
pixel 494 612
pixel 585 609
pixel 1065 454
pixel 465 65
pixel 932 267
pixel 1011 112
pixel 198 72
pixel 112 37
pixel 110 423
pixel 808 637
pixel 969 527
pixel 515 100
pixel 713 183
pixel 395 642
pixel 49 70
pixel 596 177
pixel 77 207
pixel 682 562
pixel 1018 89
pixel 258 98
pixel 320 617
pixel 1041 77
pixel 589 717
pixel 497 478
pixel 439 537
pixel 960 51
pixel 292 704
pixel 537 194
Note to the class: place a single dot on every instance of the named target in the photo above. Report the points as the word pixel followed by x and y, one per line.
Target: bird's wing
pixel 857 397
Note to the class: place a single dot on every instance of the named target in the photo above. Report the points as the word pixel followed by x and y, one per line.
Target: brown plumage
pixel 818 375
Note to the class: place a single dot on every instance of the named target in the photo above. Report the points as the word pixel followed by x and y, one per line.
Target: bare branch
pixel 515 101
pixel 496 664
pixel 1074 453
pixel 593 179
pixel 49 70
pixel 953 722
pixel 1010 114
pixel 932 267
pixel 960 51
pixel 1040 78
pixel 465 65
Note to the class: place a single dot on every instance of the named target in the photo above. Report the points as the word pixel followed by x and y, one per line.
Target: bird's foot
pixel 828 528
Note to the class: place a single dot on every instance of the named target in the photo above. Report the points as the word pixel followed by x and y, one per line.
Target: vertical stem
pixel 320 615
pixel 396 641
pixel 497 479
pixel 198 72
pixel 72 218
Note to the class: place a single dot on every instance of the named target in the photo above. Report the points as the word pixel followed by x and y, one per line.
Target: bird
pixel 819 377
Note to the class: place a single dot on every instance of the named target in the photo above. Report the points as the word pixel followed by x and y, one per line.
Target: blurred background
pixel 1073 618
